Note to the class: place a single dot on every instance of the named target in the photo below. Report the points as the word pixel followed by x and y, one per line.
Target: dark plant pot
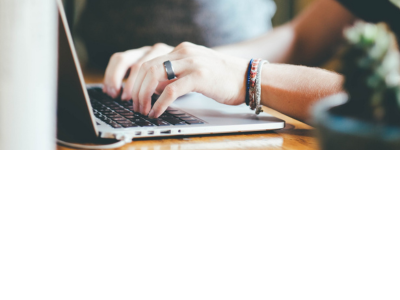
pixel 336 132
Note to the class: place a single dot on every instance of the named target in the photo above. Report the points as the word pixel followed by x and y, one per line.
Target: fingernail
pixel 151 114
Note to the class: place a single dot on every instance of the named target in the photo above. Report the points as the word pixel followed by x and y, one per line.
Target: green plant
pixel 370 65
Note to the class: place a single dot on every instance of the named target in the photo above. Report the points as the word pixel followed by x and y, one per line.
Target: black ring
pixel 170 70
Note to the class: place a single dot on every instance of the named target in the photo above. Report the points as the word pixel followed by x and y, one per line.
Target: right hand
pixel 197 69
pixel 131 60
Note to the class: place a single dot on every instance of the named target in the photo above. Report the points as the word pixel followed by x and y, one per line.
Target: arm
pixel 292 90
pixel 289 89
pixel 309 39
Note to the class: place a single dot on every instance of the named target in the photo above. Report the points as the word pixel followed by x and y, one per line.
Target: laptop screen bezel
pixel 83 113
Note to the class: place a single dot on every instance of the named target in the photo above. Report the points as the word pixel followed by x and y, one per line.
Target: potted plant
pixel 367 116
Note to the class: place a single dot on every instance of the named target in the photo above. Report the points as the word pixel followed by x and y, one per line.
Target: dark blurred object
pixel 369 117
pixel 376 11
pixel 109 26
pixel 371 68
pixel 337 132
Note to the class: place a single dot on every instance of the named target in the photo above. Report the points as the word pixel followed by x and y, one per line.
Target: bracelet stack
pixel 253 92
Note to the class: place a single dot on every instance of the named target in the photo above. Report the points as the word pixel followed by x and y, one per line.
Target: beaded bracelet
pixel 252 89
pixel 258 87
pixel 248 82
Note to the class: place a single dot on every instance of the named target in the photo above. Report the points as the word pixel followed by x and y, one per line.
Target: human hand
pixel 131 60
pixel 198 69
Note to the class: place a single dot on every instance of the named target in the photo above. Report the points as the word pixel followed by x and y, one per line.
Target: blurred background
pixel 103 27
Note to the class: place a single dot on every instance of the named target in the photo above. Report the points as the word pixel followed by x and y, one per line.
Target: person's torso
pixel 118 25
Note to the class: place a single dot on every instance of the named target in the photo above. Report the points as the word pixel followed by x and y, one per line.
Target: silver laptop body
pixel 75 111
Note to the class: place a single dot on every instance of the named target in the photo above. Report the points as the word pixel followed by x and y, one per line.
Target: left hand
pixel 198 69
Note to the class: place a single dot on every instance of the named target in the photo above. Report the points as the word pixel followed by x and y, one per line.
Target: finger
pixel 171 92
pixel 161 86
pixel 127 92
pixel 155 74
pixel 117 68
pixel 155 51
pixel 154 66
pixel 148 88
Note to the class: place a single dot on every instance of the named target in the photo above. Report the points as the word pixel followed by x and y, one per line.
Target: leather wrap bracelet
pixel 248 82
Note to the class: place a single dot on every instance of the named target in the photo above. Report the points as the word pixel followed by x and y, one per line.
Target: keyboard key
pixel 102 97
pixel 177 113
pixel 123 122
pixel 173 121
pixel 119 119
pixel 194 122
pixel 159 122
pixel 165 115
pixel 129 125
pixel 115 125
pixel 127 113
pixel 109 113
pixel 114 115
pixel 189 119
pixel 184 116
pixel 127 103
pixel 108 121
pixel 135 119
pixel 145 124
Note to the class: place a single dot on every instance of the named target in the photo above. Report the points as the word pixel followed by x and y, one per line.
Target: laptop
pixel 86 114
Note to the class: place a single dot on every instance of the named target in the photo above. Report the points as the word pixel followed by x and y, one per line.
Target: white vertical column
pixel 28 74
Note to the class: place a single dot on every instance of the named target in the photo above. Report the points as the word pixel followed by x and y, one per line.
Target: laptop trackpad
pixel 213 112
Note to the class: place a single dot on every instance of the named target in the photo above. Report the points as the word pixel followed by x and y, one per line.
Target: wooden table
pixel 295 136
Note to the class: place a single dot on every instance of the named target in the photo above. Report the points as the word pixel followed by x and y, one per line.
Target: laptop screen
pixel 74 108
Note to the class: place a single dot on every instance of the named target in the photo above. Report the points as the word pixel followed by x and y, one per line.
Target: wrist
pixel 241 66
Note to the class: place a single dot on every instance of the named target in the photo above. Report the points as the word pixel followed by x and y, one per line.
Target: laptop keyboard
pixel 120 114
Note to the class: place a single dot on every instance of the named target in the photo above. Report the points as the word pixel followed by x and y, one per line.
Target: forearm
pixel 276 46
pixel 292 90
pixel 310 39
